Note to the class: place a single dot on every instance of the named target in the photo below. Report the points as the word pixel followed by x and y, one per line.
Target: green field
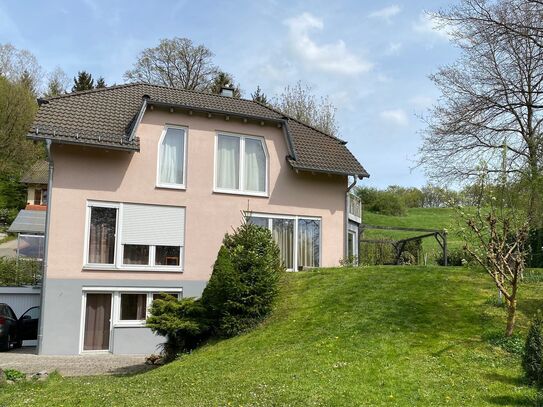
pixel 372 336
pixel 425 218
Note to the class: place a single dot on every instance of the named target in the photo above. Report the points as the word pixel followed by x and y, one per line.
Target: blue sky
pixel 372 58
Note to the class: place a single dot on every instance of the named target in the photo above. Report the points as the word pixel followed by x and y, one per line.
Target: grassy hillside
pixel 426 218
pixel 379 336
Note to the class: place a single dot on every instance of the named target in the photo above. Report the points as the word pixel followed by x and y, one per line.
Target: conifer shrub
pixel 183 322
pixel 244 283
pixel 532 360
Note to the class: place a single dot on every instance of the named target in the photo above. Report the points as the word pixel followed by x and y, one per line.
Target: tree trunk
pixel 511 313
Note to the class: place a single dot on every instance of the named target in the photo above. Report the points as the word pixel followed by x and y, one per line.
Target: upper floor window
pixel 241 164
pixel 171 158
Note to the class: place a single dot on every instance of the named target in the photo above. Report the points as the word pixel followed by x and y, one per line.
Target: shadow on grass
pixel 512 400
pixel 132 370
pixel 513 381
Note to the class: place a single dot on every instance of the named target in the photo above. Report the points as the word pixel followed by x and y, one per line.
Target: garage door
pixel 20 298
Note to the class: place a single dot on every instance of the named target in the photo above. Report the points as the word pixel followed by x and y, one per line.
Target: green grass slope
pixel 379 336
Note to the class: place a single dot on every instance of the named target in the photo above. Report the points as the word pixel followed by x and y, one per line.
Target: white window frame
pixel 118 253
pixel 241 190
pixel 115 321
pixel 183 185
pixel 90 205
pixel 295 240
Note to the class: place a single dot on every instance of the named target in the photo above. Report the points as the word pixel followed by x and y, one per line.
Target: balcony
pixel 355 208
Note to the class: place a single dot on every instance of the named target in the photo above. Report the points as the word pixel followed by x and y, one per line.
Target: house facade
pixel 144 183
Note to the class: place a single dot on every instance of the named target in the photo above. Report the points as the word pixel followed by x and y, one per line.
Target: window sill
pixel 242 193
pixel 172 186
pixel 113 268
pixel 129 324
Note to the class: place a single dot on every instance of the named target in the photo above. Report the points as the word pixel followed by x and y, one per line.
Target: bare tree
pixel 19 65
pixel 491 97
pixel 175 62
pixel 299 102
pixel 497 239
pixel 58 83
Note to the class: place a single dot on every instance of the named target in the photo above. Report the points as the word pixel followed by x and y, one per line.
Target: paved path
pixel 27 361
pixel 9 249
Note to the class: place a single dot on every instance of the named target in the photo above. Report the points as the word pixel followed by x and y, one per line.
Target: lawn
pixel 376 336
pixel 425 218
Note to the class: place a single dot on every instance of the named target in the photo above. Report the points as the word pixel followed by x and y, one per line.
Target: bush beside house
pixel 239 294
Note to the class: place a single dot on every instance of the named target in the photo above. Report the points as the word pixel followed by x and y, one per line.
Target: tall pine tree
pixel 259 96
pixel 224 79
pixel 83 81
pixel 100 83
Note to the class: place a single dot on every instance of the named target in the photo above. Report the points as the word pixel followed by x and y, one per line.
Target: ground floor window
pixel 108 308
pixel 298 238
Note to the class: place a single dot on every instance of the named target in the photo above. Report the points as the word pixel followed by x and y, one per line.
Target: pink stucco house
pixel 144 182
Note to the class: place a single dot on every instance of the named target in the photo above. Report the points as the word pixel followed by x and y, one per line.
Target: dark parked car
pixel 14 331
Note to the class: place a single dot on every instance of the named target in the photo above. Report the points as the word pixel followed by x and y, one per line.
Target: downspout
pixel 346 231
pixel 48 143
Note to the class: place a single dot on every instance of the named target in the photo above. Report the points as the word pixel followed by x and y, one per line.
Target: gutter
pixel 48 144
pixel 346 229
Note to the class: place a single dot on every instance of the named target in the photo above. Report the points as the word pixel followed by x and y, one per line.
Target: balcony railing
pixel 355 208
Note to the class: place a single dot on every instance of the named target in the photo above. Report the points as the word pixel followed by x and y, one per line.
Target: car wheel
pixel 19 343
pixel 4 345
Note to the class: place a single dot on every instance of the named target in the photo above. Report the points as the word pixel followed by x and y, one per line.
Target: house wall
pixel 83 174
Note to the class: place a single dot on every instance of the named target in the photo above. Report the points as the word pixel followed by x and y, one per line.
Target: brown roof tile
pixel 105 117
pixel 38 173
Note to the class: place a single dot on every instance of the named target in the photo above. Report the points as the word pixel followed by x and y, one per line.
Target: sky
pixel 372 58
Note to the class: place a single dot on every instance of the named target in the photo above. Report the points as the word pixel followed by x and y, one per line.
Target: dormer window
pixel 172 157
pixel 241 165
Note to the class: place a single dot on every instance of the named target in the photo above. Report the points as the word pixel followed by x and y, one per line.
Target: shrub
pixel 244 283
pixel 372 254
pixel 182 322
pixel 22 272
pixel 12 374
pixel 532 360
pixel 455 257
pixel 386 202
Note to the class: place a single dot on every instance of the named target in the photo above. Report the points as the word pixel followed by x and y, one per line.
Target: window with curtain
pixel 283 234
pixel 308 243
pixel 103 223
pixel 297 237
pixel 133 307
pixel 241 164
pixel 171 165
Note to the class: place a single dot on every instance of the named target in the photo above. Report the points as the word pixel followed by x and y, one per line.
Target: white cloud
pixel 333 57
pixel 393 48
pixel 386 13
pixel 395 116
pixel 428 24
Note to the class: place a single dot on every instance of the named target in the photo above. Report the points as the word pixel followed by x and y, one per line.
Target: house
pixel 30 222
pixel 144 183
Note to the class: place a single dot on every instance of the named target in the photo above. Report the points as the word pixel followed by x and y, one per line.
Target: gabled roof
pixel 37 174
pixel 106 117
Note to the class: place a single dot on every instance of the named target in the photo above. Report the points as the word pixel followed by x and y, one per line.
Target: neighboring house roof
pixel 29 222
pixel 37 174
pixel 106 118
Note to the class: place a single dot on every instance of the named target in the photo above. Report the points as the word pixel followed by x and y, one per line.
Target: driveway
pixel 27 361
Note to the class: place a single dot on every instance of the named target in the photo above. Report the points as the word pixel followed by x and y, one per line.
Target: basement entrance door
pixel 97 322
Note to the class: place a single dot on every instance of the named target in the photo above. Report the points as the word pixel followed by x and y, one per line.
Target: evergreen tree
pixel 532 360
pixel 100 83
pixel 28 82
pixel 224 79
pixel 83 81
pixel 259 96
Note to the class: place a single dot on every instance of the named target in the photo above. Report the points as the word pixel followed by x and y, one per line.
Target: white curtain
pixel 283 234
pixel 228 162
pixel 172 155
pixel 255 166
pixel 308 242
